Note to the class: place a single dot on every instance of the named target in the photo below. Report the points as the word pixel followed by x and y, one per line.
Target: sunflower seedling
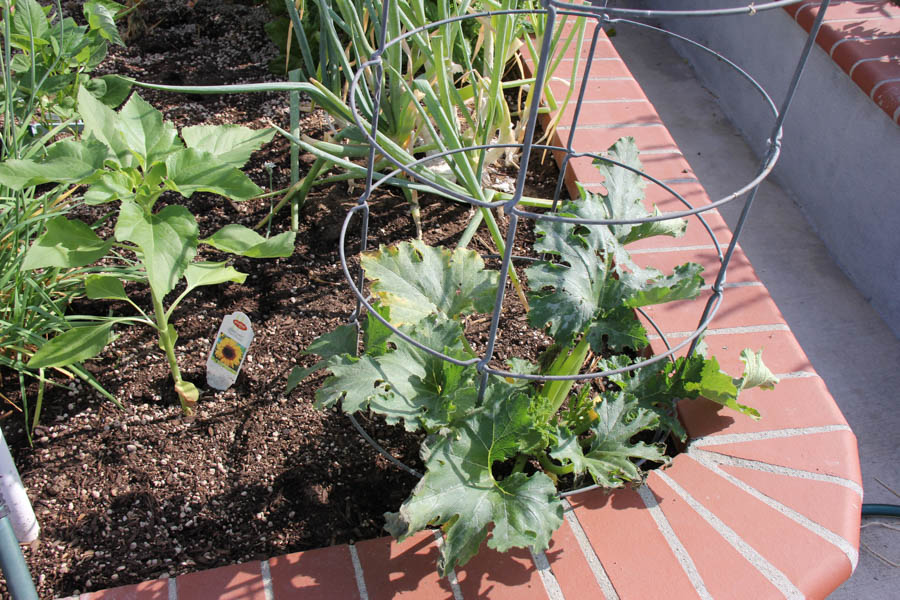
pixel 133 157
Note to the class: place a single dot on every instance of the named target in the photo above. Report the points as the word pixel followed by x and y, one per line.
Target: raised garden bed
pixel 688 521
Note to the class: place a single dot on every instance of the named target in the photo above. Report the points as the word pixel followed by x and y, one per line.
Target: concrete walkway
pixel 849 345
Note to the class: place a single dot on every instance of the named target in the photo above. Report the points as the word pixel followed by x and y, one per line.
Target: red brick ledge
pixel 863 38
pixel 752 509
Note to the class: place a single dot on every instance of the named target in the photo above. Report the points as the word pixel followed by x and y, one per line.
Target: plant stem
pixel 549 465
pixel 556 391
pixel 167 343
pixel 520 463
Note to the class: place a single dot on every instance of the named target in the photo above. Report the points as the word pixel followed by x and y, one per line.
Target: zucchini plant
pixel 497 445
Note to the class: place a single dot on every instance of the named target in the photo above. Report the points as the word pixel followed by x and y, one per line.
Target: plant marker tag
pixel 228 351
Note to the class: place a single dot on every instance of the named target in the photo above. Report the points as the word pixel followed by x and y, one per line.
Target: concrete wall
pixel 841 155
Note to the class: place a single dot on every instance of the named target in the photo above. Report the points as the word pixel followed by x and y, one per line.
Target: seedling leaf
pixel 74 345
pixel 167 239
pixel 243 241
pixel 66 244
pixel 104 287
pixel 230 144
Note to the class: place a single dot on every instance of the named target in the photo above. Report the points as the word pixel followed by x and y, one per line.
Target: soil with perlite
pixel 127 495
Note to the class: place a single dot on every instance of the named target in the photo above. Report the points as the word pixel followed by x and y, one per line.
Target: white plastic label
pixel 228 351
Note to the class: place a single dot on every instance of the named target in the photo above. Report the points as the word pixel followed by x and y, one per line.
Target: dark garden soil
pixel 126 495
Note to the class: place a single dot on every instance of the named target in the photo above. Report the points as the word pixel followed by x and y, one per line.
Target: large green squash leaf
pixel 593 277
pixel 415 280
pixel 611 453
pixel 460 492
pixel 625 195
pixel 406 384
pixel 65 244
pixel 167 239
pixel 230 144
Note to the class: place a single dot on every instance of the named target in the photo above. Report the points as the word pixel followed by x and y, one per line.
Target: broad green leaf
pixel 593 277
pixel 243 241
pixel 714 384
pixel 104 287
pixel 29 20
pixel 110 186
pixel 625 195
pixel 111 90
pixel 610 456
pixel 101 18
pixel 211 273
pixel 460 492
pixel 230 144
pixel 104 124
pixel 376 334
pixel 191 170
pixel 415 280
pixel 570 292
pixel 683 284
pixel 66 161
pixel 65 244
pixel 756 374
pixel 342 340
pixel 167 239
pixel 669 227
pixel 74 345
pixel 617 329
pixel 406 384
pixel 655 387
pixel 624 188
pixel 145 132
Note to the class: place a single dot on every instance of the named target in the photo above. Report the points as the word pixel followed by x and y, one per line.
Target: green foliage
pixel 133 156
pixel 583 294
pixel 416 280
pixel 52 56
pixel 45 60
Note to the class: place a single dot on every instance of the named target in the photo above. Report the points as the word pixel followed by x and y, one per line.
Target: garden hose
pixel 881 510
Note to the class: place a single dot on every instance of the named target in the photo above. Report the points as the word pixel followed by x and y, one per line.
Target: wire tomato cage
pixel 603 17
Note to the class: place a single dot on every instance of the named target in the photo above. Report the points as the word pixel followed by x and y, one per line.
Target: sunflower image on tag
pixel 228 351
